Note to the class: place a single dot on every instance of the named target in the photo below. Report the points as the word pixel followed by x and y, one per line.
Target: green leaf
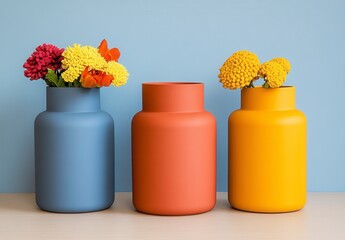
pixel 61 82
pixel 48 83
pixel 52 77
pixel 76 83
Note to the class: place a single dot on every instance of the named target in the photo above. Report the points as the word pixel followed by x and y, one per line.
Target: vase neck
pixel 173 97
pixel 73 99
pixel 259 98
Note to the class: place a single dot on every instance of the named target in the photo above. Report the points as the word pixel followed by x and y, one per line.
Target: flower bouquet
pixel 76 66
pixel 243 68
pixel 73 114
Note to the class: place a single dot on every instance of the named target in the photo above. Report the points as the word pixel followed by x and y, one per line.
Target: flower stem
pixel 265 85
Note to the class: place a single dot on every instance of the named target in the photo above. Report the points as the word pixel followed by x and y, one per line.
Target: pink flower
pixel 45 56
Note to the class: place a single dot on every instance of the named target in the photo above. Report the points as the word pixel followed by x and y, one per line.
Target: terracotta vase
pixel 267 152
pixel 173 151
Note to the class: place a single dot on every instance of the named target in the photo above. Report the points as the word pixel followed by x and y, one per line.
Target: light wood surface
pixel 322 218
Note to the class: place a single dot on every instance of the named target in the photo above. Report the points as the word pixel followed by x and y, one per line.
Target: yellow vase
pixel 267 152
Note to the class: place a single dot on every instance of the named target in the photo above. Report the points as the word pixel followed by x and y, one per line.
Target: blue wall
pixel 178 41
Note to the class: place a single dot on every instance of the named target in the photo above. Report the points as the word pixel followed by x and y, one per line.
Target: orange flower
pixel 95 79
pixel 108 54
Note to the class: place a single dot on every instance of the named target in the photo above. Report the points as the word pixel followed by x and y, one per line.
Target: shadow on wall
pixel 221 102
pixel 17 121
pixel 122 108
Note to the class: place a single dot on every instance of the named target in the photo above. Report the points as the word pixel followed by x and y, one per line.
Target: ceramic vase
pixel 74 152
pixel 267 152
pixel 173 151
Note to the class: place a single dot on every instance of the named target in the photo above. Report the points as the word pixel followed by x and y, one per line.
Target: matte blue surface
pixel 74 152
pixel 178 41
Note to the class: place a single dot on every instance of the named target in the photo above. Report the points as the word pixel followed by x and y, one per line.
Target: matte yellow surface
pixel 267 152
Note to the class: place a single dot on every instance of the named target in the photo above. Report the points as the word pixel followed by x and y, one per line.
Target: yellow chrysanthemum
pixel 76 58
pixel 239 70
pixel 273 73
pixel 119 72
pixel 283 62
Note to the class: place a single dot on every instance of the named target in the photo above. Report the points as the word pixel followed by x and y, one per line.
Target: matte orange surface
pixel 267 152
pixel 173 151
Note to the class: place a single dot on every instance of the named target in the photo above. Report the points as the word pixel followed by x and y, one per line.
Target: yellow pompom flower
pixel 273 73
pixel 119 72
pixel 77 57
pixel 283 62
pixel 239 70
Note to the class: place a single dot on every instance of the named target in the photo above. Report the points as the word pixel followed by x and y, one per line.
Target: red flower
pixel 45 56
pixel 95 79
pixel 108 54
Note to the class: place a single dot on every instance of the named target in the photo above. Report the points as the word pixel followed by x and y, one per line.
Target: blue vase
pixel 74 152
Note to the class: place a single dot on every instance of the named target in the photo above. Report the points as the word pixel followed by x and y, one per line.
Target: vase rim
pixel 172 83
pixel 72 99
pixel 173 96
pixel 81 88
pixel 271 89
pixel 259 98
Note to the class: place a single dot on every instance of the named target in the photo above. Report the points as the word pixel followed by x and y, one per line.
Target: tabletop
pixel 322 218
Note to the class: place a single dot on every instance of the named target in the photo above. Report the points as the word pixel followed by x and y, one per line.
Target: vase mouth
pixel 74 88
pixel 260 98
pixel 72 99
pixel 171 83
pixel 270 89
pixel 173 96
